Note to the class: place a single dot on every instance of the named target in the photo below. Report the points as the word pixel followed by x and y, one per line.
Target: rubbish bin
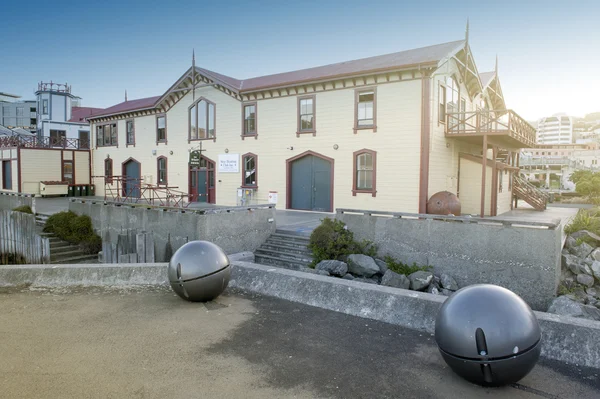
pixel 70 192
pixel 77 191
pixel 92 191
pixel 84 190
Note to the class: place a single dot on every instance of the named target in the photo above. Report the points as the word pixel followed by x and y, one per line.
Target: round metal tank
pixel 199 271
pixel 488 335
pixel 443 203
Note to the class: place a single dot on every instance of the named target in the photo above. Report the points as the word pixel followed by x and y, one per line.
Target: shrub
pixel 24 209
pixel 584 220
pixel 333 240
pixel 403 268
pixel 75 229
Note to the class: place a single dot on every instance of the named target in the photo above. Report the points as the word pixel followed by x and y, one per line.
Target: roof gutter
pixel 90 118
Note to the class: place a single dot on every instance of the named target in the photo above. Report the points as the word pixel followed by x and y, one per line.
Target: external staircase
pixel 63 251
pixel 527 192
pixel 285 249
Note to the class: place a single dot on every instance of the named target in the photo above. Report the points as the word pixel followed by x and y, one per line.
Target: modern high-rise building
pixel 17 114
pixel 555 129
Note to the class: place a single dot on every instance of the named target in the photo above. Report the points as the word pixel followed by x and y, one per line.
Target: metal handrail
pixel 44 142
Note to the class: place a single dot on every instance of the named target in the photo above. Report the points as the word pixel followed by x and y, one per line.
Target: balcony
pixel 503 128
pixel 44 142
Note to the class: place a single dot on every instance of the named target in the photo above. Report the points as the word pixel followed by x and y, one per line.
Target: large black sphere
pixel 199 271
pixel 488 335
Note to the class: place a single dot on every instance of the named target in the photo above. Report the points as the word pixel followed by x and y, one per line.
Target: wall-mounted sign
pixel 272 197
pixel 229 163
pixel 195 158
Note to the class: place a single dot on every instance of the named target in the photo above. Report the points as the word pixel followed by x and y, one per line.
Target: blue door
pixel 132 179
pixel 6 175
pixel 311 184
pixel 202 187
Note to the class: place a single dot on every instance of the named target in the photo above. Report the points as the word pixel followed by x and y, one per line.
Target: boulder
pixel 383 267
pixel 433 290
pixel 591 312
pixel 365 280
pixel 447 282
pixel 446 292
pixel 582 250
pixel 362 265
pixel 570 242
pixel 313 271
pixel 333 267
pixel 588 236
pixel 419 281
pixel 593 292
pixel 595 255
pixel 348 276
pixel 596 269
pixel 565 307
pixel 585 279
pixel 393 279
pixel 571 262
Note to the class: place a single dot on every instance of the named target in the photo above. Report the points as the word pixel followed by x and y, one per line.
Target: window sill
pixel 249 187
pixel 255 135
pixel 372 192
pixel 161 142
pixel 208 138
pixel 110 145
pixel 313 132
pixel 130 145
pixel 371 127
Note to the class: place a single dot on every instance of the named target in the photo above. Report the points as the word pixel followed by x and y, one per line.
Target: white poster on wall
pixel 229 163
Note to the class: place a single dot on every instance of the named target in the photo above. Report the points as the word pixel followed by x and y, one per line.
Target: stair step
pixel 283 255
pixel 75 259
pixel 291 244
pixel 59 244
pixel 276 261
pixel 290 237
pixel 62 250
pixel 66 255
pixel 286 248
pixel 293 233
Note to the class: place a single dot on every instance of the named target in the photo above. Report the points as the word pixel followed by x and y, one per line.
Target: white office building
pixel 555 129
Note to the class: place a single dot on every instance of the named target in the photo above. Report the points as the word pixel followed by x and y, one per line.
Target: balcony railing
pixel 44 142
pixel 505 123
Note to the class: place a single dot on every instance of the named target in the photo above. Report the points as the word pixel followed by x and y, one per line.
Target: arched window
pixel 108 170
pixel 161 164
pixel 202 120
pixel 249 170
pixel 365 172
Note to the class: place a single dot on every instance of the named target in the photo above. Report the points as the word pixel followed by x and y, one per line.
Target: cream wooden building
pixel 381 133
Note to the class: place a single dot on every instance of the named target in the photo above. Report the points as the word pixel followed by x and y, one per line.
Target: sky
pixel 548 50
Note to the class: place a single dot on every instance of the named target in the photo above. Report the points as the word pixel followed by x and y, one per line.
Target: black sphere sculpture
pixel 488 335
pixel 199 271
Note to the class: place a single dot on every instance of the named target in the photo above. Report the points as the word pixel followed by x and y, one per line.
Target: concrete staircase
pixel 285 249
pixel 63 251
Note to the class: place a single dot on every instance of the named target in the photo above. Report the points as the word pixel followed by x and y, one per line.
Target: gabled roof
pixel 486 78
pixel 491 82
pixel 78 114
pixel 132 105
pixel 4 131
pixel 22 132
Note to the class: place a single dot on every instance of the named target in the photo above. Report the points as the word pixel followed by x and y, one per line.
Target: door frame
pixel 288 182
pixel 211 193
pixel 124 175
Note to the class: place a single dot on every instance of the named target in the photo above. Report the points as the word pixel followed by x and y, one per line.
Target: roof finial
pixel 496 67
pixel 467 32
pixel 125 94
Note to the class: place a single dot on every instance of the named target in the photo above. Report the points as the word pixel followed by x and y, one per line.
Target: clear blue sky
pixel 549 50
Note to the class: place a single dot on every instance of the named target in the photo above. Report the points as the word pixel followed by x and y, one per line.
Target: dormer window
pixel 201 117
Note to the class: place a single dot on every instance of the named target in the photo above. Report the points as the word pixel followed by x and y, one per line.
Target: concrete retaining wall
pixel 234 229
pixel 574 341
pixel 9 200
pixel 521 256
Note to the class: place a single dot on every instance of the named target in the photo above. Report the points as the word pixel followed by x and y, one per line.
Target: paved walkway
pixel 152 344
pixel 299 222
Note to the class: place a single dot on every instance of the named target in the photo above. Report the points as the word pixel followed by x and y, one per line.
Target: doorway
pixel 202 181
pixel 132 178
pixel 310 182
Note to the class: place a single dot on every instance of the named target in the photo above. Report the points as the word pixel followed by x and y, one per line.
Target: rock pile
pixel 580 277
pixel 366 269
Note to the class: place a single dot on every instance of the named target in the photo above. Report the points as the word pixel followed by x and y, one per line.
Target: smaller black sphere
pixel 488 335
pixel 199 271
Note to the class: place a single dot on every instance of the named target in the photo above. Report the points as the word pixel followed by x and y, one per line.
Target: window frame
pixel 165 140
pixel 357 93
pixel 166 169
pixel 108 178
pixel 44 106
pixel 244 185
pixel 7 179
pixel 299 130
pixel 127 143
pixel 195 105
pixel 255 133
pixel 355 155
pixel 441 103
pixel 72 162
pixel 103 126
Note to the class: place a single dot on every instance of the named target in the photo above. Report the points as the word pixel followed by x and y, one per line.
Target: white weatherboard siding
pixel 397 142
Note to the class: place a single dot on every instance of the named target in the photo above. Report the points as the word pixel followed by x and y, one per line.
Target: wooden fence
pixel 19 235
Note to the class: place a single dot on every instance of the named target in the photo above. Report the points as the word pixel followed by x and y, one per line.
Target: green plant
pixel 584 220
pixel 24 209
pixel 333 240
pixel 403 268
pixel 587 240
pixel 75 229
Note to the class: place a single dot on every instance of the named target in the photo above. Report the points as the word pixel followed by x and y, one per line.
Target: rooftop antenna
pixel 125 95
